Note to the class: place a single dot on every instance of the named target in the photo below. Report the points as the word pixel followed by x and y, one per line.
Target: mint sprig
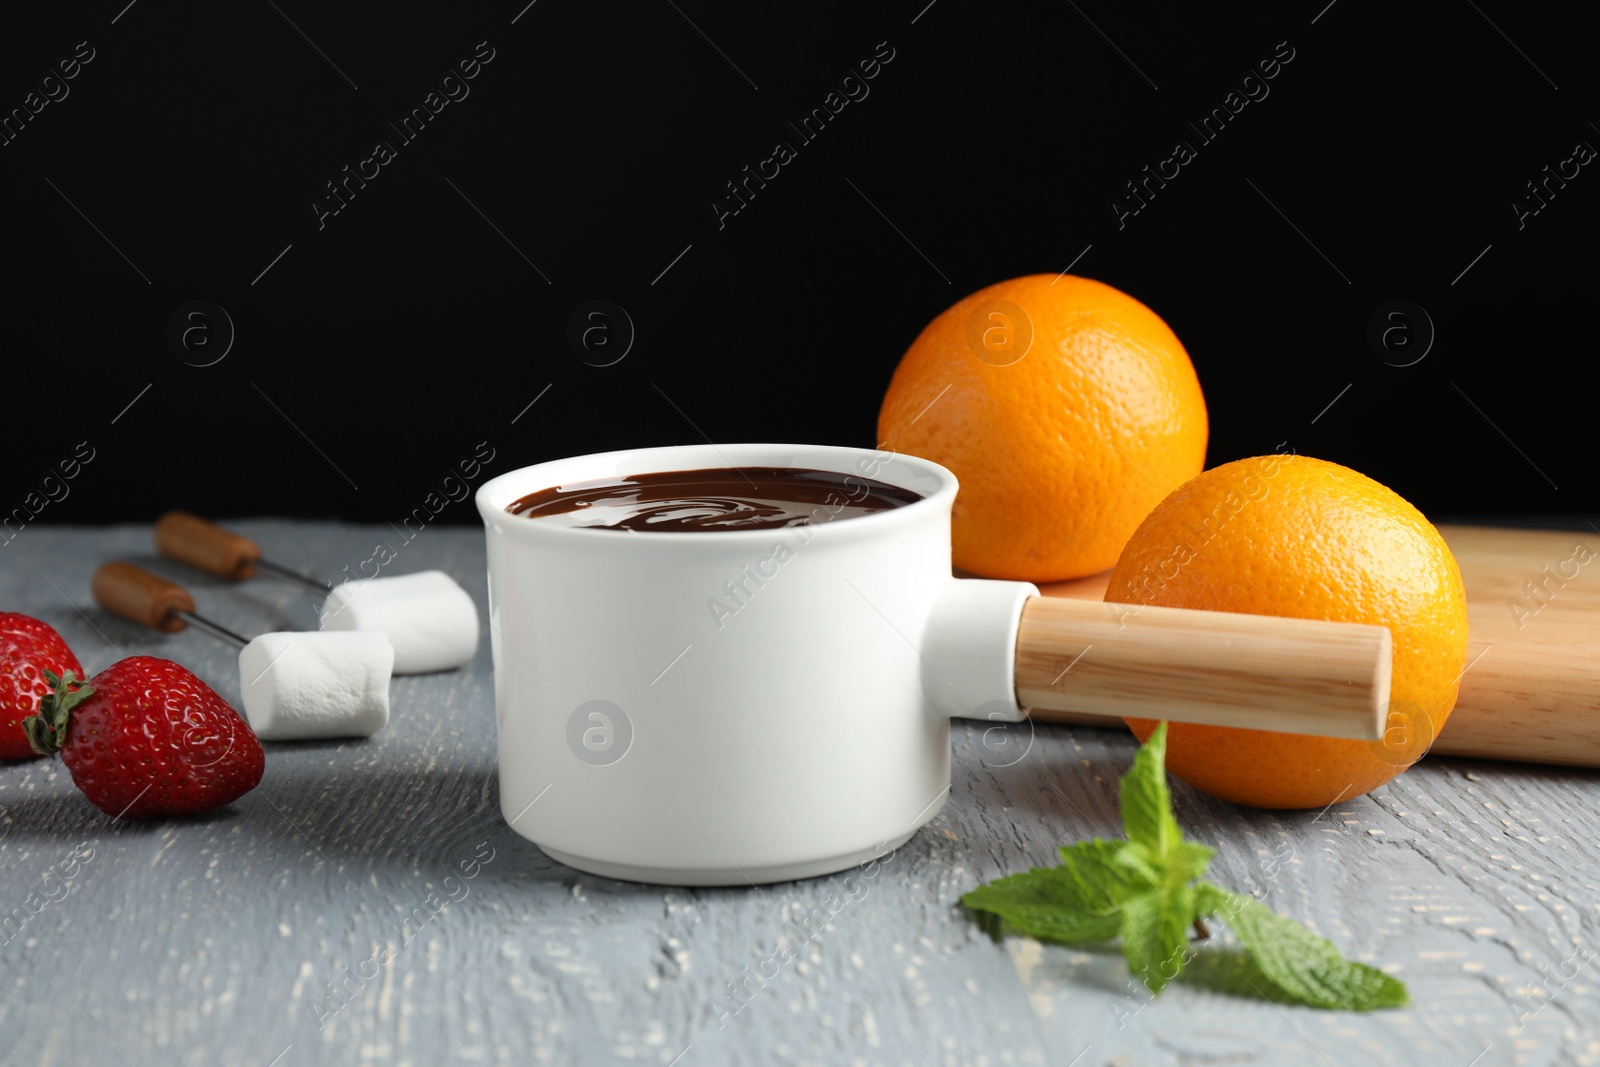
pixel 1146 891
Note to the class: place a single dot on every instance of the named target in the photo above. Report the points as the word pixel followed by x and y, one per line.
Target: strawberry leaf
pixel 40 739
pixel 47 728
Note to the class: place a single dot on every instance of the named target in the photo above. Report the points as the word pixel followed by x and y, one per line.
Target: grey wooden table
pixel 216 940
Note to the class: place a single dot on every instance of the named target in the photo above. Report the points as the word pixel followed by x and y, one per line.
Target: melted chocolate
pixel 754 498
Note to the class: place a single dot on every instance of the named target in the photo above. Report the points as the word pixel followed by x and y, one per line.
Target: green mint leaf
pixel 1076 902
pixel 1146 802
pixel 1103 879
pixel 1143 890
pixel 1213 901
pixel 1300 965
pixel 1155 925
pixel 1040 903
pixel 1155 933
pixel 1188 861
pixel 1145 865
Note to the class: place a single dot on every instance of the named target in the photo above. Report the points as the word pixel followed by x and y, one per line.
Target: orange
pixel 1066 408
pixel 1290 535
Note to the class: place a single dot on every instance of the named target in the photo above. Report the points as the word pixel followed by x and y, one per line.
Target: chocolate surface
pixel 751 498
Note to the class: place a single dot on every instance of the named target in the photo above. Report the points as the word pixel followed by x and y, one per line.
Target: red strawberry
pixel 28 648
pixel 146 738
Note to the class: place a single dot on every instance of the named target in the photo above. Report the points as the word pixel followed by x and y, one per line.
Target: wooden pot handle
pixel 1260 672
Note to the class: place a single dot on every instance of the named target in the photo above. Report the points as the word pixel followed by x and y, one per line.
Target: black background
pixel 381 348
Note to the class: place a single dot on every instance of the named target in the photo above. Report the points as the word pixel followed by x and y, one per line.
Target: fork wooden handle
pixel 200 543
pixel 137 595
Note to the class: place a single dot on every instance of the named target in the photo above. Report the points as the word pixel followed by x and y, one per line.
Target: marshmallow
pixel 428 618
pixel 299 686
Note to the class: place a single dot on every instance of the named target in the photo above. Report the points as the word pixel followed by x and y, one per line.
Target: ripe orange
pixel 1066 408
pixel 1308 539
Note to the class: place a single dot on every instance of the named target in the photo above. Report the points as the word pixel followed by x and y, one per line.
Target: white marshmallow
pixel 428 618
pixel 299 686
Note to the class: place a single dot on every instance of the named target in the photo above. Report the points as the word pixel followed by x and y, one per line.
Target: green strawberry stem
pixel 47 730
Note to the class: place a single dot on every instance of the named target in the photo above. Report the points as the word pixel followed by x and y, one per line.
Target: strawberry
pixel 146 738
pixel 28 649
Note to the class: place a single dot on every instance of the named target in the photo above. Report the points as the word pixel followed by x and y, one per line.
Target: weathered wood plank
pixel 211 941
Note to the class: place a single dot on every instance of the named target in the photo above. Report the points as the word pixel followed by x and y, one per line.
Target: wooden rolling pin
pixel 1531 690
